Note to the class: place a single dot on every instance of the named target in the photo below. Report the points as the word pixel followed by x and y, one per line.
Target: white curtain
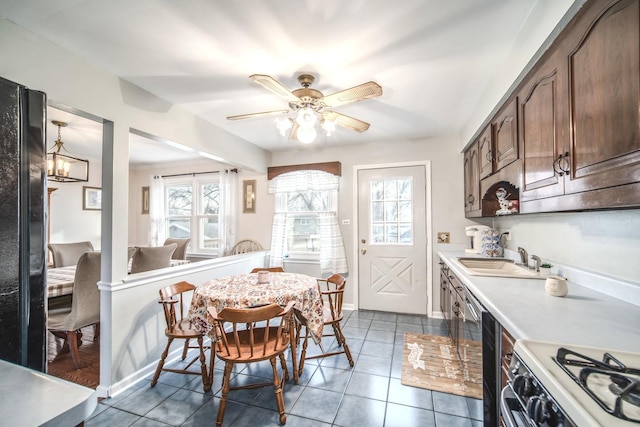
pixel 156 211
pixel 332 255
pixel 276 255
pixel 227 234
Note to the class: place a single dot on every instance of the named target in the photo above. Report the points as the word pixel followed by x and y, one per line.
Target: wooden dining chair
pixel 84 310
pixel 332 291
pixel 253 334
pixel 269 269
pixel 180 327
pixel 244 246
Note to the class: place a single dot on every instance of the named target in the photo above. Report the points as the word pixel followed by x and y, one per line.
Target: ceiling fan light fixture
pixel 306 117
pixel 283 124
pixel 306 135
pixel 329 126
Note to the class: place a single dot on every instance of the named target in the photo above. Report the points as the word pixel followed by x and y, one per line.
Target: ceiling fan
pixel 311 106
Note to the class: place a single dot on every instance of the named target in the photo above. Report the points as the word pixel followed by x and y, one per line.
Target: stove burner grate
pixel 595 376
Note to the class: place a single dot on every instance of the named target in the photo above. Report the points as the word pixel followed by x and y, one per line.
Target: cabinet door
pixel 485 153
pixel 505 128
pixel 603 55
pixel 542 120
pixel 471 181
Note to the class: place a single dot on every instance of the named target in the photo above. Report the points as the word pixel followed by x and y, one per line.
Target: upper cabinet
pixel 472 182
pixel 602 51
pixel 505 136
pixel 543 121
pixel 573 123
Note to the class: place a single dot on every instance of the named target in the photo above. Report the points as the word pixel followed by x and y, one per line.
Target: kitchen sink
pixel 496 267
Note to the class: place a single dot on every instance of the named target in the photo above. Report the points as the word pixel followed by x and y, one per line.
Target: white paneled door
pixel 392 240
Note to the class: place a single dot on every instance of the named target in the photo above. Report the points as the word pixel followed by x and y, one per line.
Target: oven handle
pixel 505 411
pixel 472 309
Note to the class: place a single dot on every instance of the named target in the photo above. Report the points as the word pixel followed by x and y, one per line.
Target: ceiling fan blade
pixel 346 121
pixel 263 114
pixel 274 86
pixel 356 93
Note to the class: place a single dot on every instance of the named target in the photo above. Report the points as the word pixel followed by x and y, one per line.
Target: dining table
pixel 246 290
pixel 60 279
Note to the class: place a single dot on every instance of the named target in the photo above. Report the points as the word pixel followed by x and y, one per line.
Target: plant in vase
pixel 545 268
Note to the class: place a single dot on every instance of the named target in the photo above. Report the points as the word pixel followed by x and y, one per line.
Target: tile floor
pixel 330 393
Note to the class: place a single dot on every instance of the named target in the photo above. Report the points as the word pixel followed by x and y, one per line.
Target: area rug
pixel 431 362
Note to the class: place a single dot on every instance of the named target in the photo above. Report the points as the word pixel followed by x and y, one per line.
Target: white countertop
pixel 583 317
pixel 31 398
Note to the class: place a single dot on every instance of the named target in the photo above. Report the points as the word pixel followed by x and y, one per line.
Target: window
pixel 302 227
pixel 192 210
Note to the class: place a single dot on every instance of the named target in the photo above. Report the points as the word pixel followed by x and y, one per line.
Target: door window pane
pixel 391 211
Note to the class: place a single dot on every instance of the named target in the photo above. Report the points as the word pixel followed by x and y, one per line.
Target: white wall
pixel 69 222
pixel 256 226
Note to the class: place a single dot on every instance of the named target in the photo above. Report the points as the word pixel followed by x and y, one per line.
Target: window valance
pixel 304 180
pixel 334 168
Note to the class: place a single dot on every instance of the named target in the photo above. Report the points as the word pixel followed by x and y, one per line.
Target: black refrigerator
pixel 22 225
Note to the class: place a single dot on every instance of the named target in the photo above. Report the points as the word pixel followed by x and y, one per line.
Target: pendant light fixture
pixel 64 167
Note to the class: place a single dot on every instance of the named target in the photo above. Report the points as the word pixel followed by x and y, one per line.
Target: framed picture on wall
pixel 91 198
pixel 249 196
pixel 145 200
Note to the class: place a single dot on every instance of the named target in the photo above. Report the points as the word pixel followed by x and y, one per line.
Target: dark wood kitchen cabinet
pixel 472 182
pixel 485 153
pixel 602 51
pixel 542 129
pixel 498 143
pixel 583 109
pixel 505 136
pixel 573 123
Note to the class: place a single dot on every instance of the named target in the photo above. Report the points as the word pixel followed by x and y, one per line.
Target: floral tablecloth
pixel 243 290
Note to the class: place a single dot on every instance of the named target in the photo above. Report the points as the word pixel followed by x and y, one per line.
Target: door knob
pixel 363 251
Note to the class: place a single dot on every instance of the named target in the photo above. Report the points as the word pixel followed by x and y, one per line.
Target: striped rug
pixel 431 362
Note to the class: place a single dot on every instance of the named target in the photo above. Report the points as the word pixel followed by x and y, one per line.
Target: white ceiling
pixel 433 58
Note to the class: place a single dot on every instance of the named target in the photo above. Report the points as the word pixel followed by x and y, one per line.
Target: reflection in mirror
pixel 175 193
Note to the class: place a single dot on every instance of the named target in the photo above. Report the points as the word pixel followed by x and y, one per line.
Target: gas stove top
pixel 593 386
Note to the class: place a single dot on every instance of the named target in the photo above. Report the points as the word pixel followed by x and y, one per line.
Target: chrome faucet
pixel 524 256
pixel 536 262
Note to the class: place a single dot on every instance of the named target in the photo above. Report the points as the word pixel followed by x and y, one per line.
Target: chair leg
pixel 161 363
pixel 72 340
pixel 225 391
pixel 203 367
pixel 96 331
pixel 343 341
pixel 211 363
pixel 303 353
pixel 277 385
pixel 185 349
